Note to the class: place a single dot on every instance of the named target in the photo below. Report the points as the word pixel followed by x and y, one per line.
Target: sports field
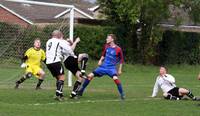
pixel 101 96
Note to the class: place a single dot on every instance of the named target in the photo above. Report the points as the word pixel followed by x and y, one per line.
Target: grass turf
pixel 101 97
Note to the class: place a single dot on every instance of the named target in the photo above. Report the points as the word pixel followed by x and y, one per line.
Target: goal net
pixel 15 39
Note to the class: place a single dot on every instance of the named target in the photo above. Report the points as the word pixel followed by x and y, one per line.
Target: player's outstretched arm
pixel 155 88
pixel 24 58
pixel 101 60
pixel 75 43
pixel 23 65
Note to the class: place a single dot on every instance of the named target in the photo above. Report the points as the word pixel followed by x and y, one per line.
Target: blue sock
pixel 119 87
pixel 85 84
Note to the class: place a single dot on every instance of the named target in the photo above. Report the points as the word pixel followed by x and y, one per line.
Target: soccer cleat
pixel 80 93
pixel 16 85
pixel 38 88
pixel 59 98
pixel 196 99
pixel 73 96
pixel 62 98
pixel 122 97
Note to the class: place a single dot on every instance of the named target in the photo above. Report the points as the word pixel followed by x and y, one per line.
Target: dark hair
pixel 164 67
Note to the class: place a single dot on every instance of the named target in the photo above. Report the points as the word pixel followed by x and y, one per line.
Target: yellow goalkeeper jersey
pixel 34 56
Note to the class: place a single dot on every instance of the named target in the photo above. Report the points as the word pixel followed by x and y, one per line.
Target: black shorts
pixel 174 92
pixel 56 69
pixel 71 64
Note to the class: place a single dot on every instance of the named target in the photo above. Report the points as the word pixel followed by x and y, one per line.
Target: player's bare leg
pixel 183 91
pixel 22 79
pixel 41 75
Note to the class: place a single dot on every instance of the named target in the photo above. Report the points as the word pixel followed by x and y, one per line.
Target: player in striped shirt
pixel 111 56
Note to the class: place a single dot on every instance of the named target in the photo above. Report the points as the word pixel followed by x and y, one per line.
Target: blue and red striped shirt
pixel 113 55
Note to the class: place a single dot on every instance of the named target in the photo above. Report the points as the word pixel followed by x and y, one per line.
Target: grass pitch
pixel 101 97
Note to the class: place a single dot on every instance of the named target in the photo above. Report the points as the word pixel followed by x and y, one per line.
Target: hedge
pixel 174 48
pixel 179 48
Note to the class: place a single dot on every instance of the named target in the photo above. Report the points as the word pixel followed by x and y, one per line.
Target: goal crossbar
pixel 42 3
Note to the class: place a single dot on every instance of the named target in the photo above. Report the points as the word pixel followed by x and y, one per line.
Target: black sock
pixel 169 96
pixel 21 80
pixel 39 82
pixel 59 89
pixel 83 65
pixel 190 95
pixel 77 85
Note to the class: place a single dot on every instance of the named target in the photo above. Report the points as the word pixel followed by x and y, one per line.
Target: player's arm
pixel 43 57
pixel 67 49
pixel 73 46
pixel 121 62
pixel 101 60
pixel 120 69
pixel 155 89
pixel 102 55
pixel 25 58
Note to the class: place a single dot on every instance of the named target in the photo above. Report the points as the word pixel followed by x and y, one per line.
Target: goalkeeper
pixel 32 64
pixel 167 83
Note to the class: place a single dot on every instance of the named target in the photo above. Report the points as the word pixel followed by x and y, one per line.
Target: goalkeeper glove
pixel 23 65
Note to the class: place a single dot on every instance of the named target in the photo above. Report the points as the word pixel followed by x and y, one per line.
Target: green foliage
pixel 149 13
pixel 93 38
pixel 172 48
pixel 194 12
pixel 179 48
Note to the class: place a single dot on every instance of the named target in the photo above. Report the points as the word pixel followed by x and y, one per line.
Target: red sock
pixel 117 81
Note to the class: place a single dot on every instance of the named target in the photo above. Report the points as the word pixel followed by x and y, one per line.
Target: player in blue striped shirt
pixel 111 56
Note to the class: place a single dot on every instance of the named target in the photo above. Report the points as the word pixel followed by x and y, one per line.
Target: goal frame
pixel 71 21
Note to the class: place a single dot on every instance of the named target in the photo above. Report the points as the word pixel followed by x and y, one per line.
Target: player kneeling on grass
pixel 167 83
pixel 111 56
pixel 32 61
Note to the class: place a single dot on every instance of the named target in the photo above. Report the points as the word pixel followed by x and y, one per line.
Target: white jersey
pixel 55 48
pixel 67 52
pixel 165 82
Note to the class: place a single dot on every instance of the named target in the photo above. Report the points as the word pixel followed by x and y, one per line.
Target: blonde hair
pixel 113 36
pixel 37 39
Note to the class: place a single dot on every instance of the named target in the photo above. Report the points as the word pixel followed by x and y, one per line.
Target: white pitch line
pixel 86 101
pixel 91 101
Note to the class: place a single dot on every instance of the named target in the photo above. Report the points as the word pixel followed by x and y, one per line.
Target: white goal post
pixel 71 21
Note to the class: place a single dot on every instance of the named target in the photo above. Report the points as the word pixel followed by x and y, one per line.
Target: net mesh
pixel 15 40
